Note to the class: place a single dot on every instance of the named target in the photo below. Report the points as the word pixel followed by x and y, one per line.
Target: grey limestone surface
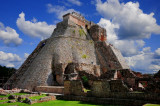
pixel 69 43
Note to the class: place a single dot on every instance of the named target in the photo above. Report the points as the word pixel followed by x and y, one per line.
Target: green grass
pixel 1 96
pixel 152 105
pixel 3 100
pixel 14 104
pixel 37 97
pixel 63 103
pixel 20 94
pixel 54 103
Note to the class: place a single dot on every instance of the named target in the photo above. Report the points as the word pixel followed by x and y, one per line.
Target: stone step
pixel 50 89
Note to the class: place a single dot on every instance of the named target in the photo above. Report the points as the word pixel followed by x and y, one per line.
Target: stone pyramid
pixel 75 45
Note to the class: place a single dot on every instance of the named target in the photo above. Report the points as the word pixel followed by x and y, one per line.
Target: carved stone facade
pixel 98 33
pixel 76 18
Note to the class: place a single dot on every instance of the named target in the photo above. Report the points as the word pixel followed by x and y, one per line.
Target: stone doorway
pixel 70 72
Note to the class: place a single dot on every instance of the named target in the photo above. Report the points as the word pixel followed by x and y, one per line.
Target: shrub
pixel 85 79
pixel 81 32
pixel 84 56
pixel 85 82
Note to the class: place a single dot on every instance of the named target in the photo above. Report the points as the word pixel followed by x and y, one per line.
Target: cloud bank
pixel 33 28
pixel 132 21
pixel 75 2
pixel 9 35
pixel 9 59
pixel 127 25
pixel 59 11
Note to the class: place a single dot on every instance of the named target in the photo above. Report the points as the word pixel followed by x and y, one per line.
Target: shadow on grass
pixel 97 104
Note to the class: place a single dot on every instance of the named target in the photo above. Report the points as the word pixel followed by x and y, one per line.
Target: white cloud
pixel 35 29
pixel 158 52
pixel 132 45
pixel 133 23
pixel 155 68
pixel 10 65
pixel 9 36
pixel 110 27
pixel 140 43
pixel 26 55
pixel 9 59
pixel 143 61
pixel 146 49
pixel 127 26
pixel 76 2
pixel 58 10
pixel 34 20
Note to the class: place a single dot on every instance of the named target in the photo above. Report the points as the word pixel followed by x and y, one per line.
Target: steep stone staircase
pixel 16 77
pixel 107 57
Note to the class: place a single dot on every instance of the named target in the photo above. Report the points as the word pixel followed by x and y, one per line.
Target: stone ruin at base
pixel 76 46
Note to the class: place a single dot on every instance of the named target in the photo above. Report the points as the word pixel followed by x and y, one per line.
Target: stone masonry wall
pixel 100 88
pixel 74 87
pixel 119 57
pixel 72 46
pixel 50 89
pixel 105 92
pixel 76 18
pixel 69 43
pixel 109 58
pixel 19 73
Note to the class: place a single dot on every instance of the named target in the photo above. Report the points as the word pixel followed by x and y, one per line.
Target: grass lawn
pixel 1 96
pixel 20 94
pixel 152 105
pixel 37 97
pixel 54 103
pixel 14 104
pixel 62 103
pixel 3 100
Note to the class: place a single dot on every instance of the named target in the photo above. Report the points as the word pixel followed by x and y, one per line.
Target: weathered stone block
pixel 100 88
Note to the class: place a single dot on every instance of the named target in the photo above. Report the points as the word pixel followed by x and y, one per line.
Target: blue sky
pixel 133 26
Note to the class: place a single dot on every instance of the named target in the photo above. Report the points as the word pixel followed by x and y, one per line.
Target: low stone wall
pixel 108 101
pixel 50 89
pixel 74 87
pixel 135 96
pixel 3 98
pixel 99 88
pixel 118 86
pixel 103 89
pixel 44 99
pixel 116 89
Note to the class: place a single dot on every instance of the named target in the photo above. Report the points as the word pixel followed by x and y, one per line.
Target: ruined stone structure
pixel 75 45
